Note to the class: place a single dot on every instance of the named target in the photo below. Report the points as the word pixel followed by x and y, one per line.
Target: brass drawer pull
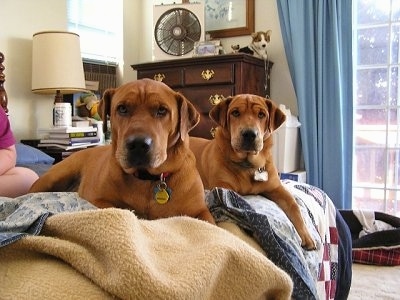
pixel 159 77
pixel 212 132
pixel 207 74
pixel 215 99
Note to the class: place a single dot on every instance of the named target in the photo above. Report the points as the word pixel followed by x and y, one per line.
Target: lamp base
pixel 58 98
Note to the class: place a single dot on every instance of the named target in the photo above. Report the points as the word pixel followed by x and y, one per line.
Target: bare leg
pixel 17 181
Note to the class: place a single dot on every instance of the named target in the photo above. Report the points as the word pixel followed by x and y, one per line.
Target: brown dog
pixel 239 157
pixel 148 167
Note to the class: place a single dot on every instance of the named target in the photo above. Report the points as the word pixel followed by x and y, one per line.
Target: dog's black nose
pixel 249 135
pixel 140 144
pixel 248 139
pixel 139 150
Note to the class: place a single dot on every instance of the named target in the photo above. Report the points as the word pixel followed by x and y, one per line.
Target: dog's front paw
pixel 307 242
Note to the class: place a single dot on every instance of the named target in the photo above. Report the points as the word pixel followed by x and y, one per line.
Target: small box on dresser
pixel 299 176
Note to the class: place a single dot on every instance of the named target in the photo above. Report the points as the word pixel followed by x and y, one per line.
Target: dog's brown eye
pixel 235 113
pixel 122 109
pixel 162 111
pixel 261 115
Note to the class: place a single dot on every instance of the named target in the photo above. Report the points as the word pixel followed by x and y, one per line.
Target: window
pixel 376 172
pixel 99 24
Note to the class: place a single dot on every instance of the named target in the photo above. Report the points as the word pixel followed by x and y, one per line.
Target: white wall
pixel 22 18
pixel 133 35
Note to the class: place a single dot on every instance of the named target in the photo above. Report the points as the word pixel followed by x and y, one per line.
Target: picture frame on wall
pixel 229 18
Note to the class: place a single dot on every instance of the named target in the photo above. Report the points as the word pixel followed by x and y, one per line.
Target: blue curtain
pixel 317 36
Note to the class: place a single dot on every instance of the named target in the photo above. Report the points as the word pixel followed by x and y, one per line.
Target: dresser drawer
pixel 171 77
pixel 204 128
pixel 202 96
pixel 209 74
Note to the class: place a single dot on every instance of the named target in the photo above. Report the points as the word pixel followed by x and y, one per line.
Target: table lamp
pixel 57 66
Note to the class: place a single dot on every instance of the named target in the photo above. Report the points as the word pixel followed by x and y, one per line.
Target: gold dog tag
pixel 161 191
pixel 161 196
pixel 261 175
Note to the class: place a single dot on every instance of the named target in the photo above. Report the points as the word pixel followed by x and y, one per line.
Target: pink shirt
pixel 6 136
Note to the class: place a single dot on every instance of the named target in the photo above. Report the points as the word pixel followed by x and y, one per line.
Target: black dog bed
pixel 377 248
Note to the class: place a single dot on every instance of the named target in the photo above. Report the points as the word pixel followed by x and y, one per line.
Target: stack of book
pixel 69 138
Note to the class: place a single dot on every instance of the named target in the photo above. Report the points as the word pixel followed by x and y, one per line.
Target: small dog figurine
pixel 258 45
pixel 235 48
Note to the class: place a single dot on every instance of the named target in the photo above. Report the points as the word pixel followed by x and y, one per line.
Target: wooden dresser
pixel 208 79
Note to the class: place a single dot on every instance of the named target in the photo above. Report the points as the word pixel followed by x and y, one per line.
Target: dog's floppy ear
pixel 219 112
pixel 189 117
pixel 276 116
pixel 105 107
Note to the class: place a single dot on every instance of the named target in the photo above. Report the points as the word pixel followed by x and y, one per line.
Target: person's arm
pixel 8 158
pixel 8 153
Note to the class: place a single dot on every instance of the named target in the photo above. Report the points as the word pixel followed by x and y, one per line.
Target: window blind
pixel 99 24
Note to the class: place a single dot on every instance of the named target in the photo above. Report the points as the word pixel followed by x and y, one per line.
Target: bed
pixel 58 246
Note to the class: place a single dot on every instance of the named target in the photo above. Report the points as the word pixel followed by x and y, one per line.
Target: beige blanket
pixel 109 253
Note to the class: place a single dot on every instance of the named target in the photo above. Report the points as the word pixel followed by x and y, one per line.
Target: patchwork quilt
pixel 321 274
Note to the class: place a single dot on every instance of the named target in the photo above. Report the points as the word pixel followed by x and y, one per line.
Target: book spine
pixel 68 129
pixel 72 135
pixel 70 142
pixel 82 134
pixel 84 140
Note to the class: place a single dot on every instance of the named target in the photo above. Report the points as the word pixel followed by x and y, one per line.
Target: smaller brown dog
pixel 149 167
pixel 239 157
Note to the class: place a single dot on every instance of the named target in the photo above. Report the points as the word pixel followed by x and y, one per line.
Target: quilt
pixel 71 250
pixel 321 274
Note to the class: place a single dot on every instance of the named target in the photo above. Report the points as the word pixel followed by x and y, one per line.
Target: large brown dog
pixel 148 167
pixel 239 157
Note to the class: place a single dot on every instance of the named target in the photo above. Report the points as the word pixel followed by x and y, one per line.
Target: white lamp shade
pixel 57 63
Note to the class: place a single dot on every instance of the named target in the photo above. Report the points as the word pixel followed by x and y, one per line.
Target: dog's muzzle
pixel 249 139
pixel 139 150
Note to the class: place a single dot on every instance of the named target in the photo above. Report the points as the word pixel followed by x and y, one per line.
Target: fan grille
pixel 176 31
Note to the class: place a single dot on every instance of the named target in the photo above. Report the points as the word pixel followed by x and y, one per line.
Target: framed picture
pixel 225 18
pixel 206 48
